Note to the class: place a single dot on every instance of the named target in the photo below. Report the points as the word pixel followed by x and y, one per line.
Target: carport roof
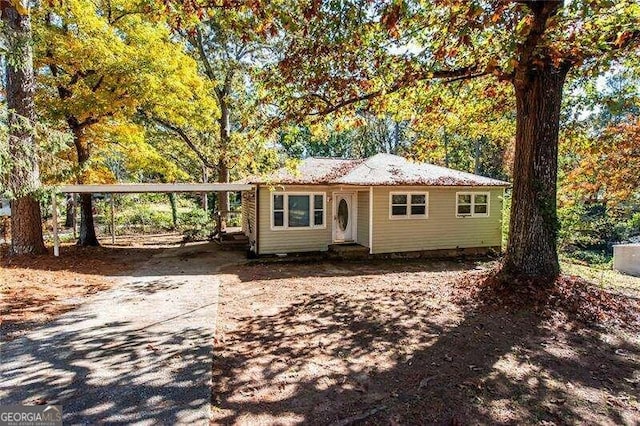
pixel 122 188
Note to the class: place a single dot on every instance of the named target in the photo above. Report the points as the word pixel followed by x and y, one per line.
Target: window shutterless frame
pixel 285 210
pixel 471 203
pixel 412 203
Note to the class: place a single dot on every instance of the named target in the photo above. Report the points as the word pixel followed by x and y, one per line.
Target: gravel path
pixel 139 353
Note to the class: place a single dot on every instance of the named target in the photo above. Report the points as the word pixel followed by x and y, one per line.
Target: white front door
pixel 343 217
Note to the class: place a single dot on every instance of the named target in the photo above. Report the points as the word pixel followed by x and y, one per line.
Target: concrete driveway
pixel 139 353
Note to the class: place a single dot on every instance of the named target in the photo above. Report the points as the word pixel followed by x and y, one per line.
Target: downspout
pixel 371 220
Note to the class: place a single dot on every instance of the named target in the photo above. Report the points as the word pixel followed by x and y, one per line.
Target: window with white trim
pixel 408 205
pixel 472 204
pixel 298 210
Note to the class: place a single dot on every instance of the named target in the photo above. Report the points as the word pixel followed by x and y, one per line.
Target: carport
pixel 134 188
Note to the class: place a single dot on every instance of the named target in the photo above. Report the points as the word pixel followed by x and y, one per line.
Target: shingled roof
pixel 381 169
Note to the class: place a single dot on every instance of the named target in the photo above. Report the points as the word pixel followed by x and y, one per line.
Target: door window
pixel 343 214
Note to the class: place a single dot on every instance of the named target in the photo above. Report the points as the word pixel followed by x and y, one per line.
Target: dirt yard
pixel 391 343
pixel 36 289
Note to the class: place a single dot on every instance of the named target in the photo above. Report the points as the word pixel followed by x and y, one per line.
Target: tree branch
pixel 186 139
pixel 449 76
pixel 542 11
pixel 196 41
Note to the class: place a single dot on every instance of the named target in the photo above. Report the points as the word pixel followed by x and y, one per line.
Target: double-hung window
pixel 408 205
pixel 472 204
pixel 297 210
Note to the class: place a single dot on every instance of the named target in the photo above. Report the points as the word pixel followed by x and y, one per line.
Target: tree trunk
pixel 533 228
pixel 477 153
pixel 87 229
pixel 205 196
pixel 174 209
pixel 87 235
pixel 223 169
pixel 446 147
pixel 24 174
pixel 223 196
pixel 396 138
pixel 26 226
pixel 70 211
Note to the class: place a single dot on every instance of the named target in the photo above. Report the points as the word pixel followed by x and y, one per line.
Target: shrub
pixel 235 220
pixel 196 224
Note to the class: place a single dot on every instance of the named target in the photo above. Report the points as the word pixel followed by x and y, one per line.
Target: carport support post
pixel 113 220
pixel 54 208
pixel 74 197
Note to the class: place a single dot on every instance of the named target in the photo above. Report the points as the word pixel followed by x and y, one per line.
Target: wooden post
pixel 113 220
pixel 56 242
pixel 75 216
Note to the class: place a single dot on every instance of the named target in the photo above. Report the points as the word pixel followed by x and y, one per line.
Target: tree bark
pixel 223 196
pixel 24 174
pixel 204 195
pixel 174 209
pixel 26 226
pixel 223 168
pixel 87 236
pixel 446 147
pixel 533 228
pixel 70 211
pixel 477 153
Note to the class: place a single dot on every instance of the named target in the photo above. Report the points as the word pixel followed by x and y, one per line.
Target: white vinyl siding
pixel 249 214
pixel 291 240
pixel 363 218
pixel 443 230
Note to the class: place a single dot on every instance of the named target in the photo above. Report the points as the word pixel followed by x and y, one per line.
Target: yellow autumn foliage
pixel 104 64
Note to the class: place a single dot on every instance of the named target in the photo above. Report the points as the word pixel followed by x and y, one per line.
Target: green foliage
pixel 196 224
pixel 595 228
pixel 230 58
pixel 506 212
pixel 596 258
pixel 151 213
pixel 5 156
pixel 146 216
pixel 587 233
pixel 634 224
pixel 134 214
pixel 361 137
pixel 235 220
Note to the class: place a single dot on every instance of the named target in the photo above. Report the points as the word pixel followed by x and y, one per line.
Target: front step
pixel 233 241
pixel 348 251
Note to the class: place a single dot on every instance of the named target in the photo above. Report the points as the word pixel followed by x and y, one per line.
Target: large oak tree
pixel 99 63
pixel 348 52
pixel 22 174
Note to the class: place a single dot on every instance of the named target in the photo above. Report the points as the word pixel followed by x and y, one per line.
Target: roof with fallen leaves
pixel 379 170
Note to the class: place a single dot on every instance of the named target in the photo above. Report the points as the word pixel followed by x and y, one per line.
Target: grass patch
pixel 603 276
